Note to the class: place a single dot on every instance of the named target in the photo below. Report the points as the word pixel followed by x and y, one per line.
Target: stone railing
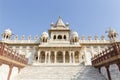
pixel 109 53
pixel 11 58
pixel 109 56
pixel 9 53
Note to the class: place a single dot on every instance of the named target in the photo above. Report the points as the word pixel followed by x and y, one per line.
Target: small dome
pixel 8 31
pixel 45 34
pixel 52 24
pixel 75 34
pixel 67 24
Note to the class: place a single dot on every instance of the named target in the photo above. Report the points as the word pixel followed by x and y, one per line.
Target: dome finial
pixel 60 22
pixel 60 17
pixel 112 34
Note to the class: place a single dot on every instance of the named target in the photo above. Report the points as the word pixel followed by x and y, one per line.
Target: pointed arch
pixel 59 57
pixel 67 57
pixel 42 56
pixel 52 57
pixel 76 56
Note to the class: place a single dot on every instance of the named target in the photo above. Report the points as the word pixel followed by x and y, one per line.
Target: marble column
pixel 39 56
pixel 49 56
pixel 63 56
pixel 45 56
pixel 73 57
pixel 55 60
pixel 70 57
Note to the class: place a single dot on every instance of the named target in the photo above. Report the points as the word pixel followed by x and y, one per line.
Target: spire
pixel 59 22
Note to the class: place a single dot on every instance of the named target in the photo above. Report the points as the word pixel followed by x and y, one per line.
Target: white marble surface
pixel 59 72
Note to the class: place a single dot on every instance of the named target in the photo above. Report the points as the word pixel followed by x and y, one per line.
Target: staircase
pixel 59 72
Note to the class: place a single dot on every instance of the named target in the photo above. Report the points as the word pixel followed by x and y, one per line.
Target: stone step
pixel 59 72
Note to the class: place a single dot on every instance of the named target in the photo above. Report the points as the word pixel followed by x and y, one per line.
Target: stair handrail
pixel 108 53
pixel 11 54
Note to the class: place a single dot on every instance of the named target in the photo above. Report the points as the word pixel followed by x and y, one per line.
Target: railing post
pixel 108 72
pixel 10 71
pixel 2 49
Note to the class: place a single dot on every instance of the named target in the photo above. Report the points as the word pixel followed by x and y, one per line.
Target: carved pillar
pixel 73 57
pixel 39 56
pixel 55 60
pixel 10 71
pixel 63 56
pixel 46 57
pixel 49 56
pixel 70 56
pixel 108 72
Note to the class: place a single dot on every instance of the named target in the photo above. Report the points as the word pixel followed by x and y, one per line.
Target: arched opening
pixel 7 36
pixel 42 57
pixel 67 57
pixel 64 36
pixel 52 56
pixel 60 57
pixel 75 39
pixel 83 56
pixel 36 57
pixel 76 57
pixel 4 36
pixel 59 37
pixel 54 37
pixel 43 39
pixel 46 40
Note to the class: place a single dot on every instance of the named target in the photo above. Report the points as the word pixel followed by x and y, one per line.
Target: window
pixel 6 36
pixel 31 47
pixel 54 37
pixel 94 46
pixel 43 39
pixel 64 36
pixel 17 46
pixel 88 46
pixel 59 37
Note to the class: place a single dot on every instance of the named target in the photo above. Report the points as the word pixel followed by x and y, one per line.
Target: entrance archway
pixel 59 57
pixel 42 57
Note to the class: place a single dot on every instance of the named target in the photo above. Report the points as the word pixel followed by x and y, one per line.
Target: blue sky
pixel 32 17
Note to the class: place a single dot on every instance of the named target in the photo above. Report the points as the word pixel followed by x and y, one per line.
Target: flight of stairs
pixel 59 72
